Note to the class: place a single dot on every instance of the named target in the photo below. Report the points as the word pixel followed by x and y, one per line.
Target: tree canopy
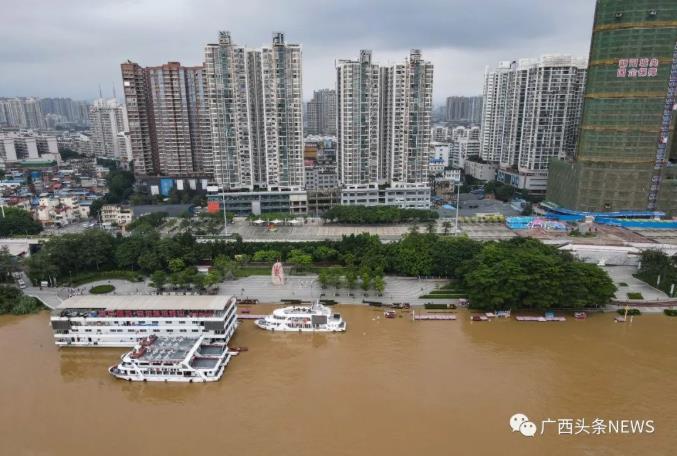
pixel 525 273
pixel 379 214
pixel 18 222
pixel 520 273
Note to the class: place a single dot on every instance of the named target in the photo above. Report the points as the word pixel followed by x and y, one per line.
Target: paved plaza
pixel 306 288
pixel 315 230
pixel 624 274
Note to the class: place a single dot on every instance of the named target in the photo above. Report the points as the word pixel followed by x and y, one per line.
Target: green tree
pixel 159 279
pixel 379 284
pixel 18 222
pixel 351 278
pixel 225 267
pixel 323 278
pixel 300 259
pixel 211 279
pixel 6 265
pixel 446 226
pixel 267 256
pixel 176 264
pixel 366 281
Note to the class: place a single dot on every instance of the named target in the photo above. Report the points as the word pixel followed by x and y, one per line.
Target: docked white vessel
pixel 121 321
pixel 174 359
pixel 315 318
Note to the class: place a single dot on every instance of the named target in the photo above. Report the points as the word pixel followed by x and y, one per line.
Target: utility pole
pixel 458 203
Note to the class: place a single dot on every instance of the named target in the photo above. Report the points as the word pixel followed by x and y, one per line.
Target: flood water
pixel 385 387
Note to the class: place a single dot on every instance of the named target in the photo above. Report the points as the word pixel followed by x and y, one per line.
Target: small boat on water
pixel 478 317
pixel 390 314
pixel 580 315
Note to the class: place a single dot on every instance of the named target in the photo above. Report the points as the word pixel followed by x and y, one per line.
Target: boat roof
pixel 169 349
pixel 146 302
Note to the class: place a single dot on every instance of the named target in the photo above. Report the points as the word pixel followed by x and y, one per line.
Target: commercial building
pixel 480 170
pixel 465 110
pixel 320 163
pixel 120 321
pixel 626 157
pixel 108 124
pixel 384 122
pixel 168 118
pixel 402 195
pixel 321 113
pixel 287 200
pixel 531 113
pixel 256 114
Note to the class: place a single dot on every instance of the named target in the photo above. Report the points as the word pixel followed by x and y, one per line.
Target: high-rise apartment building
pixel 358 96
pixel 108 121
pixel 464 110
pixel 531 113
pixel 321 113
pixel 256 114
pixel 66 110
pixel 626 157
pixel 22 113
pixel 168 119
pixel 384 120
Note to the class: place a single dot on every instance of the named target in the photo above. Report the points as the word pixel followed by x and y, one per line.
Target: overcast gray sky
pixel 68 47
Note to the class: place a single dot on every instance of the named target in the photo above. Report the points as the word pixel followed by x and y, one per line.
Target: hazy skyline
pixel 69 48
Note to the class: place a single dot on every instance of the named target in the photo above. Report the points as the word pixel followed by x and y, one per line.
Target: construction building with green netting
pixel 626 157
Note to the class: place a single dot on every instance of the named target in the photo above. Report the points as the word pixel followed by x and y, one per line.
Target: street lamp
pixel 458 203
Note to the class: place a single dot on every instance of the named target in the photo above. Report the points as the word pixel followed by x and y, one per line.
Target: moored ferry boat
pixel 174 359
pixel 315 318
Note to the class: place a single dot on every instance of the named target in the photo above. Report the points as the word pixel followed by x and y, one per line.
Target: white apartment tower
pixel 531 113
pixel 108 121
pixel 358 122
pixel 256 114
pixel 384 120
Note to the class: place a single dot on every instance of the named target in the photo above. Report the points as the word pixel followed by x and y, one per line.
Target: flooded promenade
pixel 385 387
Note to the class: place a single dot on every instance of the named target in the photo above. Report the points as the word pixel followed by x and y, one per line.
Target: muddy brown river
pixel 385 387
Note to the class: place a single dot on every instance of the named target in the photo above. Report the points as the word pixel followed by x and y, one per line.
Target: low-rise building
pixel 402 195
pixel 116 215
pixel 59 210
pixel 288 200
pixel 481 171
pixel 535 181
pixel 28 146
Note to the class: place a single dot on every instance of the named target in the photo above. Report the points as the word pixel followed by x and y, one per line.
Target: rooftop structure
pixel 147 302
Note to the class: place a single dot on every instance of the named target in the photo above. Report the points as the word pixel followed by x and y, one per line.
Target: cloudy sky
pixel 68 47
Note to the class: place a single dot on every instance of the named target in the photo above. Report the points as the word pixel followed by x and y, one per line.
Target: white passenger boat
pixel 174 359
pixel 315 318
